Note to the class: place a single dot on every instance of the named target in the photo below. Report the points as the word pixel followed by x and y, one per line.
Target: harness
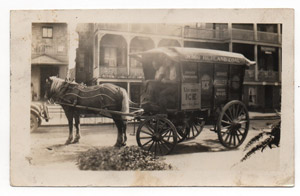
pixel 73 93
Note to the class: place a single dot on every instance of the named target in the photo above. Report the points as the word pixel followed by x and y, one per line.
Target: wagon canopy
pixel 193 55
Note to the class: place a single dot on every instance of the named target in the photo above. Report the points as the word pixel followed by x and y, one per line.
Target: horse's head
pixel 52 86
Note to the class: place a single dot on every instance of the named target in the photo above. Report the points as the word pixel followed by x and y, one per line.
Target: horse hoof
pixel 75 142
pixel 119 145
pixel 68 142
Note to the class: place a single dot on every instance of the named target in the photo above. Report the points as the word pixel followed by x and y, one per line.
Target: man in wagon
pixel 167 74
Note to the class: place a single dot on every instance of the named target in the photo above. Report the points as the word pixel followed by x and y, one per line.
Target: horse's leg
pixel 77 126
pixel 118 123
pixel 69 115
pixel 124 127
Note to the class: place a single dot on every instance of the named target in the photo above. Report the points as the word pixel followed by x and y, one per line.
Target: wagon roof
pixel 194 55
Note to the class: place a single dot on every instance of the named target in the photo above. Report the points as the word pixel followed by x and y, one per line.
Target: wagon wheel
pixel 233 124
pixel 195 128
pixel 34 123
pixel 157 134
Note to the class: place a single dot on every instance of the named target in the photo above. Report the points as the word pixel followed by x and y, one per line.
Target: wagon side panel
pixel 206 78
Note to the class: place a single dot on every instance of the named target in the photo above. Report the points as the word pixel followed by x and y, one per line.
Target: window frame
pixel 47 37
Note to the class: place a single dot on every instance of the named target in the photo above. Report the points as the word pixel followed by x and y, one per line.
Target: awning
pixel 45 59
pixel 194 55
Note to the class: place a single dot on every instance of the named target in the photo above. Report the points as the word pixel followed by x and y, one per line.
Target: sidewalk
pixel 263 116
pixel 57 118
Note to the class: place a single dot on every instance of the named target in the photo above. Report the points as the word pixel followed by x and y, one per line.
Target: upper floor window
pixel 47 32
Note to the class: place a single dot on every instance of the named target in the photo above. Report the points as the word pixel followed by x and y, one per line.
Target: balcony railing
pixel 143 28
pixel 263 76
pixel 268 76
pixel 159 29
pixel 113 72
pixel 112 26
pixel 196 33
pixel 50 49
pixel 241 34
pixel 267 37
pixel 136 73
pixel 173 30
pixel 121 72
pixel 192 33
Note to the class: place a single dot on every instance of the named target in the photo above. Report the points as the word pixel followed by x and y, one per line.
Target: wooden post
pixel 230 36
pixel 256 60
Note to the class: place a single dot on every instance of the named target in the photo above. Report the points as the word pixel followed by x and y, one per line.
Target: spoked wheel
pixel 233 124
pixel 34 123
pixel 157 134
pixel 194 129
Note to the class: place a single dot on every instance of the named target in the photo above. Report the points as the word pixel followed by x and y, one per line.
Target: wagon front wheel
pixel 233 124
pixel 157 134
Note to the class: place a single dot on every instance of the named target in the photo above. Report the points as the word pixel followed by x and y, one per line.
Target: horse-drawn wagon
pixel 205 88
pixel 184 89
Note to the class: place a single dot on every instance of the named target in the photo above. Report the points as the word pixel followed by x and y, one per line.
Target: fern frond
pixel 254 139
pixel 262 146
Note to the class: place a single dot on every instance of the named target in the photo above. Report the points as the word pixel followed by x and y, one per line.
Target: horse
pixel 104 96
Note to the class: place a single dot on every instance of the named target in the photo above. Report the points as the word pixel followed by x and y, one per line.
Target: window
pixel 252 95
pixel 47 32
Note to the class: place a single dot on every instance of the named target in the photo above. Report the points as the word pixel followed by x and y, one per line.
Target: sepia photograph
pixel 171 98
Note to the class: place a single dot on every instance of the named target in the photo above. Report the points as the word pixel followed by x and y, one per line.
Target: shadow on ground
pixel 208 145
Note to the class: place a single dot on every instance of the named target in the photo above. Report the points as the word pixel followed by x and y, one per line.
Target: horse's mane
pixel 57 84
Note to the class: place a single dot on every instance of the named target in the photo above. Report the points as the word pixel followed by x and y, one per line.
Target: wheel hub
pixel 236 126
pixel 156 137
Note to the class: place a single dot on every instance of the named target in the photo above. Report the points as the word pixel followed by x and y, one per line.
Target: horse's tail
pixel 125 103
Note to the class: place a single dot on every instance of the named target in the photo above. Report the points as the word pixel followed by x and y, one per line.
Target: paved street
pixel 203 153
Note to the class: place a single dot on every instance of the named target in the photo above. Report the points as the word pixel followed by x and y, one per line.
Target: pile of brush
pixel 126 158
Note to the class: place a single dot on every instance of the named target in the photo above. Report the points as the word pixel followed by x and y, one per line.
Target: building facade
pixel 103 54
pixel 49 54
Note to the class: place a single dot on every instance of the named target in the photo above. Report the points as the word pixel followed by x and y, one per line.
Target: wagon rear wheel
pixel 233 124
pixel 195 128
pixel 157 134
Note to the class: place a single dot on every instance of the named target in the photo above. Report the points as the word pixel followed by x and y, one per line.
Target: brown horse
pixel 104 96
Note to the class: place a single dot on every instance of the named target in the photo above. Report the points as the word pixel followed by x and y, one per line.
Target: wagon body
pixel 206 79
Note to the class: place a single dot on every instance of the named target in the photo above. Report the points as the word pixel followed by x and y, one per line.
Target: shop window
pixel 268 58
pixel 47 32
pixel 252 93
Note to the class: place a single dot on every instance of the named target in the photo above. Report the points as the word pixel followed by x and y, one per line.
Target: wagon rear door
pixel 221 72
pixel 236 82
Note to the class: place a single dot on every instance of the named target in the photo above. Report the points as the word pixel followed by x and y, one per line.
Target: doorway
pixel 268 98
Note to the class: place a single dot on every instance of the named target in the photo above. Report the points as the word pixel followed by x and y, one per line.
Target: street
pixel 203 153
